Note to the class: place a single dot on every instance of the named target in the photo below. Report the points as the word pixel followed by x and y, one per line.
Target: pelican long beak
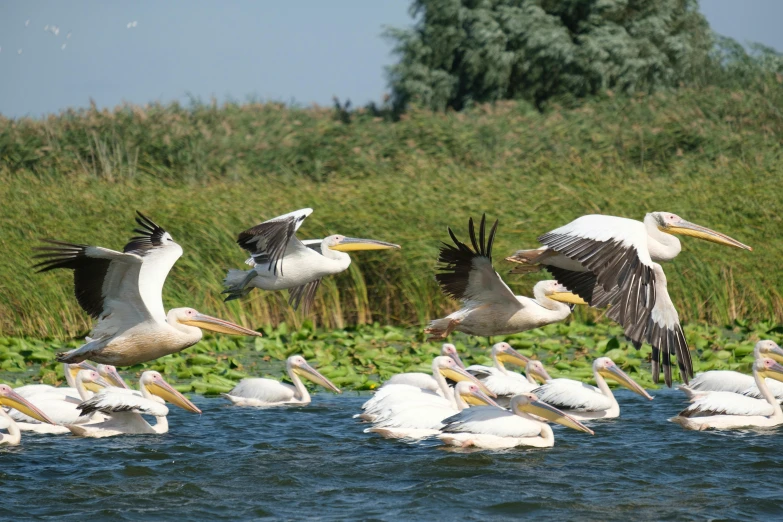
pixel 458 374
pixel 478 398
pixel 314 375
pixel 686 228
pixel 207 322
pixel 567 297
pixel 455 357
pixel 97 385
pixel 773 372
pixel 550 413
pixel 115 379
pixel 540 374
pixel 17 402
pixel 775 353
pixel 615 373
pixel 511 356
pixel 165 391
pixel 352 244
pixel 77 367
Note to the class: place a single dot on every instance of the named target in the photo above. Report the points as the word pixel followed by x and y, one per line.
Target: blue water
pixel 315 462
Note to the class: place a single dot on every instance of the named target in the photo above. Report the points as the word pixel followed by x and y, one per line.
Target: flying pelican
pixel 11 399
pixel 122 290
pixel 62 409
pixel 124 409
pixel 489 307
pixel 269 392
pixel 421 420
pixel 727 410
pixel 442 368
pixel 69 371
pixel 736 382
pixel 425 380
pixel 610 260
pixel 495 428
pixel 507 384
pixel 280 261
pixel 585 402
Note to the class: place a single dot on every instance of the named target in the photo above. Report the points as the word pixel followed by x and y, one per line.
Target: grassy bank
pixel 361 358
pixel 207 172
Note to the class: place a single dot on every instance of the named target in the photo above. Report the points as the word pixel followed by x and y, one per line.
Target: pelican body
pixel 280 261
pixel 489 307
pixel 122 290
pixel 584 402
pixel 10 399
pixel 506 384
pixel 495 428
pixel 609 260
pixel 424 380
pixel 736 382
pixel 269 392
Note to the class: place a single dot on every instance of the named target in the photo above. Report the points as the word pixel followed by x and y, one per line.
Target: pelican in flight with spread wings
pixel 495 428
pixel 123 291
pixel 489 307
pixel 726 410
pixel 280 261
pixel 269 392
pixel 610 260
pixel 9 398
pixel 584 402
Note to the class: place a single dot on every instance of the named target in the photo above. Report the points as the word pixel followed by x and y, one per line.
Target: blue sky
pixel 294 51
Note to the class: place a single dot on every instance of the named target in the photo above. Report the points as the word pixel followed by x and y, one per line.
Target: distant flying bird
pixel 19 51
pixel 62 47
pixel 132 24
pixel 281 261
pixel 613 261
pixel 46 27
pixel 68 36
pixel 27 23
pixel 122 290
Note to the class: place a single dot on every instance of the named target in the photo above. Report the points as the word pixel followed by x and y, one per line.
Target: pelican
pixel 124 409
pixel 610 260
pixel 122 290
pixel 727 410
pixel 110 374
pixel 489 307
pixel 11 399
pixel 418 421
pixel 495 428
pixel 269 392
pixel 70 371
pixel 280 261
pixel 585 402
pixel 507 384
pixel 425 380
pixel 736 382
pixel 62 409
pixel 442 368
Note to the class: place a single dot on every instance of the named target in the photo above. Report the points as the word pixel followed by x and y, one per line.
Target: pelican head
pixel 472 394
pixel 538 372
pixel 298 365
pixel 8 397
pixel 74 368
pixel 449 369
pixel 449 350
pixel 529 403
pixel 674 224
pixel 768 349
pixel 608 369
pixel 92 380
pixel 353 244
pixel 109 372
pixel 557 292
pixel 767 367
pixel 156 385
pixel 504 353
pixel 191 317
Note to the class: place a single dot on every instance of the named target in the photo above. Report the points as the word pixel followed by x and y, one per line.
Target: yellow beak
pixel 615 373
pixel 207 322
pixel 17 402
pixel 686 228
pixel 545 411
pixel 478 398
pixel 567 297
pixel 314 375
pixel 352 244
pixel 164 390
pixel 457 374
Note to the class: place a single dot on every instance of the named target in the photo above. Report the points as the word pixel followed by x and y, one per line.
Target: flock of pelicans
pixel 596 260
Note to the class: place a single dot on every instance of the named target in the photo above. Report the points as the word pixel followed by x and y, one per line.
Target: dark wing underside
pixel 267 241
pixel 150 236
pixel 457 260
pixel 304 293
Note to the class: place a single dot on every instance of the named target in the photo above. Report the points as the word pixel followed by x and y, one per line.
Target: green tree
pixel 464 51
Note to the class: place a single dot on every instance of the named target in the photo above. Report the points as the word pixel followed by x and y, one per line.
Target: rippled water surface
pixel 316 462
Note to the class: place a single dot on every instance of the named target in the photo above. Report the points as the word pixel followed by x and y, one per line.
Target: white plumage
pixel 10 399
pixel 423 380
pixel 736 382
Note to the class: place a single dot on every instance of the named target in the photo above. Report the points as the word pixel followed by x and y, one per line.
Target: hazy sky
pixel 297 50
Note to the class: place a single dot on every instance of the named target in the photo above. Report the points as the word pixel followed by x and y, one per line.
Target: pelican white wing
pixel 122 401
pixel 708 404
pixel 489 420
pixel 267 242
pixel 567 394
pixel 266 391
pixel 735 382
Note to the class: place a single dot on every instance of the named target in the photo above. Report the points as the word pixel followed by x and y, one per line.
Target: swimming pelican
pixel 110 374
pixel 269 392
pixel 736 382
pixel 726 410
pixel 507 384
pixel 425 380
pixel 495 428
pixel 418 421
pixel 122 290
pixel 11 399
pixel 610 260
pixel 69 371
pixel 62 409
pixel 442 368
pixel 489 307
pixel 585 402
pixel 124 409
pixel 280 261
